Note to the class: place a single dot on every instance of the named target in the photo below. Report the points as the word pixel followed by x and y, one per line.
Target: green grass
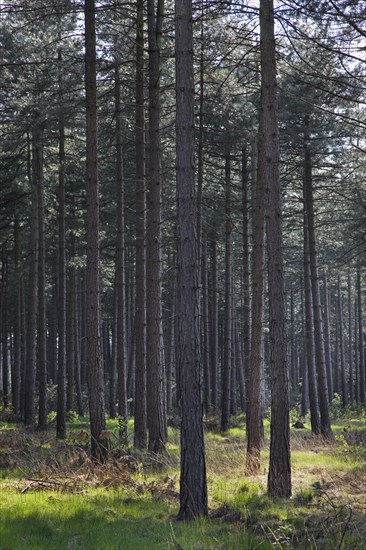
pixel 327 509
pixel 111 520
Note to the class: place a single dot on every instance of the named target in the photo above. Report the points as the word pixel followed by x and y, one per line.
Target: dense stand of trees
pixel 148 269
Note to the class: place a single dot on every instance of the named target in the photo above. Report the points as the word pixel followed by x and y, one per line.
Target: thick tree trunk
pixel 99 442
pixel 193 485
pixel 279 474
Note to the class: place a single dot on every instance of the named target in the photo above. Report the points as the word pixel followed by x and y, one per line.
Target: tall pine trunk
pixel 41 336
pixel 16 377
pixel 325 426
pixel 99 442
pixel 120 269
pixel 32 294
pixel 140 427
pixel 228 329
pixel 61 359
pixel 155 372
pixel 193 484
pixel 279 474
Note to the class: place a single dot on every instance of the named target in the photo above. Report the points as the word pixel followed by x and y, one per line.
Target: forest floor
pixel 54 497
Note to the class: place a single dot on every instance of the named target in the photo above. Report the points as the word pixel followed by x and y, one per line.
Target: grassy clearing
pixel 53 497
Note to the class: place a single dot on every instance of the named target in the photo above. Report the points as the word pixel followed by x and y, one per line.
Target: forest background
pixel 47 217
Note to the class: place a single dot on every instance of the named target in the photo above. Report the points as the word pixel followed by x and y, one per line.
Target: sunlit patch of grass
pixel 110 520
pixel 141 514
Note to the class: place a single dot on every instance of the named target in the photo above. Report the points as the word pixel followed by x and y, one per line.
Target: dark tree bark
pixel 309 333
pixel 120 270
pixel 279 474
pixel 304 364
pixel 77 338
pixel 254 411
pixel 70 330
pixel 32 294
pixel 205 331
pixel 341 346
pixel 4 327
pixel 41 335
pixel 361 351
pixel 246 294
pixel 350 343
pixel 193 485
pixel 228 329
pixel 61 359
pixel 155 402
pixel 328 359
pixel 140 427
pixel 99 442
pixel 16 373
pixel 356 351
pixel 293 355
pixel 325 426
pixel 214 327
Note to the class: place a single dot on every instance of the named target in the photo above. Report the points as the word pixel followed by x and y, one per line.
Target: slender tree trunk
pixel 356 351
pixel 341 346
pixel 328 359
pixel 205 332
pixel 4 327
pixel 350 335
pixel 361 351
pixel 254 411
pixel 309 333
pixel 99 442
pixel 214 329
pixel 120 270
pixel 77 360
pixel 32 295
pixel 246 277
pixel 41 336
pixel 293 376
pixel 16 379
pixel 304 364
pixel 239 366
pixel 155 409
pixel 279 474
pixel 325 426
pixel 70 330
pixel 228 341
pixel 193 484
pixel 140 428
pixel 61 359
